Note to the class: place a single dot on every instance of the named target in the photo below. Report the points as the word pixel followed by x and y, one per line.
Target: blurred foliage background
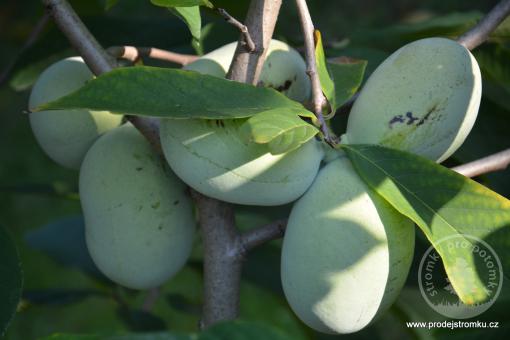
pixel 63 292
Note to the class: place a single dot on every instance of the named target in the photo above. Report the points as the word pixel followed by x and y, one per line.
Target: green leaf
pixel 347 74
pixel 327 84
pixel 442 203
pixel 230 330
pixel 11 279
pixel 108 4
pixel 63 240
pixel 26 76
pixel 191 17
pixel 172 93
pixel 282 130
pixel 182 3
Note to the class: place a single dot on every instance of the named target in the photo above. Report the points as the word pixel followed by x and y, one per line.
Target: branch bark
pixel 133 54
pixel 222 260
pixel 258 236
pixel 480 33
pixel 261 19
pixel 79 36
pixel 222 242
pixel 96 58
pixel 317 95
pixel 496 162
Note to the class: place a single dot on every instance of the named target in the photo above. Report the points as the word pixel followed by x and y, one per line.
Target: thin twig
pixel 258 236
pixel 246 66
pixel 250 45
pixel 134 54
pixel 496 162
pixel 317 95
pixel 480 33
pixel 32 38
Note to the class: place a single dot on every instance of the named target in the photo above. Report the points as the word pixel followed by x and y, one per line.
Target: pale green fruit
pixel 66 135
pixel 138 219
pixel 211 157
pixel 424 99
pixel 346 252
pixel 284 69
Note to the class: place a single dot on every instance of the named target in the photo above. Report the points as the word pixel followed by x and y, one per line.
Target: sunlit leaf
pixel 443 204
pixel 283 131
pixel 173 93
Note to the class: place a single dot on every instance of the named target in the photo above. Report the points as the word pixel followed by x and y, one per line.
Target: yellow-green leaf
pixel 443 204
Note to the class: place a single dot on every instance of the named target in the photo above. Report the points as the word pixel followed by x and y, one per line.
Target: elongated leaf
pixel 347 74
pixel 191 17
pixel 182 3
pixel 11 279
pixel 443 204
pixel 172 93
pixel 64 241
pixel 283 131
pixel 327 84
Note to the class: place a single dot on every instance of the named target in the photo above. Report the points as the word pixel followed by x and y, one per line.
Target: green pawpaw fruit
pixel 284 69
pixel 346 252
pixel 138 219
pixel 424 99
pixel 211 157
pixel 66 135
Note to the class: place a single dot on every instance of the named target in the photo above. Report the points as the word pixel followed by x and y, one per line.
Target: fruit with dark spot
pixel 284 68
pixel 424 99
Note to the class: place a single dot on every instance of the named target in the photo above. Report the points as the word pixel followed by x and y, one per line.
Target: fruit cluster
pixel 346 251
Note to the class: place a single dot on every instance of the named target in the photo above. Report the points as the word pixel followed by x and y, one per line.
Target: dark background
pixel 39 204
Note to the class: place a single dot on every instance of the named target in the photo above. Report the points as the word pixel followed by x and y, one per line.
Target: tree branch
pixel 222 260
pixel 480 33
pixel 250 45
pixel 133 54
pixel 222 243
pixel 261 19
pixel 317 95
pixel 258 236
pixel 96 58
pixel 79 36
pixel 492 163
